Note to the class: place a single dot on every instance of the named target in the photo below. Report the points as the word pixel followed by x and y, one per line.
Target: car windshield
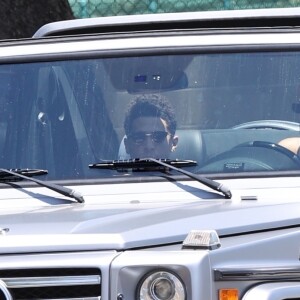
pixel 229 112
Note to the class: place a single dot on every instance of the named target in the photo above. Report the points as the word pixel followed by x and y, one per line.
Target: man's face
pixel 150 137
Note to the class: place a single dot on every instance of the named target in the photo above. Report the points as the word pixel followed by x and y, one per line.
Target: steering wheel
pixel 276 147
pixel 273 124
pixel 253 156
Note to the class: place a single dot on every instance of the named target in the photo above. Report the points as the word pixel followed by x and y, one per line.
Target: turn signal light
pixel 228 294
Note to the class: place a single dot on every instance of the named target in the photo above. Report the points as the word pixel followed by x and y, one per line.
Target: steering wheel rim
pixel 273 124
pixel 274 146
pixel 245 158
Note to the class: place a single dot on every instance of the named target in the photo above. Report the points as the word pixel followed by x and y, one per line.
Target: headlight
pixel 161 285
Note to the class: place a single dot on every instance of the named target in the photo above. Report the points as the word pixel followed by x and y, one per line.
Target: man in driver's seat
pixel 150 126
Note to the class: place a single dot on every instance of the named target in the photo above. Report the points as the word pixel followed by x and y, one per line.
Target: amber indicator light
pixel 228 294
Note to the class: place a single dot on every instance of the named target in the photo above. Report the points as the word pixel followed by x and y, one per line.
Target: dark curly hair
pixel 150 105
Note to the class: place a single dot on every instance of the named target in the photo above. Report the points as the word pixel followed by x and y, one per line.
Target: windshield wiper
pixel 141 164
pixel 150 163
pixel 5 176
pixel 13 174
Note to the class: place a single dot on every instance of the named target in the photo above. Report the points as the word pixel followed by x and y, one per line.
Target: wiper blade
pixel 19 173
pixel 5 176
pixel 159 164
pixel 142 164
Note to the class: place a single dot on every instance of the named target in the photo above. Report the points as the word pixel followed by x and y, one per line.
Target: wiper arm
pixel 142 164
pixel 150 163
pixel 8 174
pixel 216 186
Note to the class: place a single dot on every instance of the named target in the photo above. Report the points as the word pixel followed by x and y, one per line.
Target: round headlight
pixel 161 286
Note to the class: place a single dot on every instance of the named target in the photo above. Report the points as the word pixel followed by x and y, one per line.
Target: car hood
pixel 123 216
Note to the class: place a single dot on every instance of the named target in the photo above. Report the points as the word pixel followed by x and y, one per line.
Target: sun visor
pixel 148 74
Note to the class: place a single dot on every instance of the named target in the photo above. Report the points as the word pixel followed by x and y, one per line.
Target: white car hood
pixel 122 216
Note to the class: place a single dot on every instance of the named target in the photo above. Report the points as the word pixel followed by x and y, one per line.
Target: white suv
pixel 195 197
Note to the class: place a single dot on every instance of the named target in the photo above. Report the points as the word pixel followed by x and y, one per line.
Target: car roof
pixel 274 17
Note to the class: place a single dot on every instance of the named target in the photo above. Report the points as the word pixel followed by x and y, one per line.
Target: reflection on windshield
pixel 229 112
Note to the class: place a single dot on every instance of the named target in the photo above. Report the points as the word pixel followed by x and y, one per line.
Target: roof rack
pixel 273 17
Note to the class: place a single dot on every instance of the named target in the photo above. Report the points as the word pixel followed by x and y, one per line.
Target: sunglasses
pixel 139 137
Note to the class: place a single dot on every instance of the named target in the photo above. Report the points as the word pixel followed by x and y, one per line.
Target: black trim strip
pixel 284 273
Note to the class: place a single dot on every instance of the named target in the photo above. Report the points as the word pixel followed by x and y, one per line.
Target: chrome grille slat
pixel 85 298
pixel 51 281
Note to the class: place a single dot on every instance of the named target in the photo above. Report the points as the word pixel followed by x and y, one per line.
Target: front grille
pixel 53 283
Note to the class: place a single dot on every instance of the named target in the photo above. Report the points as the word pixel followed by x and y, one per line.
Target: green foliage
pixel 96 8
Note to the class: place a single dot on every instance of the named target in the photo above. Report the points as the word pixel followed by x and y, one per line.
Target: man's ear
pixel 174 143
